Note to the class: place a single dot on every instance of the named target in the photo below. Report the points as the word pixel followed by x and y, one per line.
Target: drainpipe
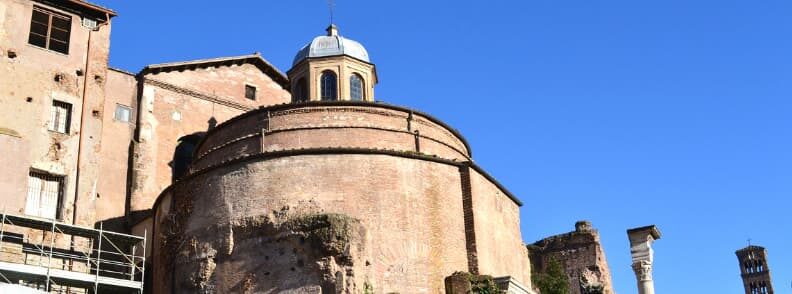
pixel 79 143
pixel 82 117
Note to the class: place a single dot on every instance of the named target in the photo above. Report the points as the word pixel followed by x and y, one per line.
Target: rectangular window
pixel 250 92
pixel 122 113
pixel 60 117
pixel 45 195
pixel 50 30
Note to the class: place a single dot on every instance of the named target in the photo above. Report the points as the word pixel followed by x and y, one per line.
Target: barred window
pixel 60 117
pixel 50 30
pixel 122 113
pixel 356 87
pixel 329 86
pixel 45 195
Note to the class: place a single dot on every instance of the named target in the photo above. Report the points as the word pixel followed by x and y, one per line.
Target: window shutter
pixel 49 198
pixel 34 190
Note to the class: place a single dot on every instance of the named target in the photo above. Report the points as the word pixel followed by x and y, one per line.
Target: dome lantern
pixel 332 67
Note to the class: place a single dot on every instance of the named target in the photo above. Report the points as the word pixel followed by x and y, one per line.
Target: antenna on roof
pixel 331 6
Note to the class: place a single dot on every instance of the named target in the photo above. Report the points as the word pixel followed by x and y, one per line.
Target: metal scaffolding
pixel 63 258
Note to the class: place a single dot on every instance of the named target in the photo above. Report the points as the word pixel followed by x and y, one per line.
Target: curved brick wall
pixel 329 125
pixel 411 211
pixel 333 196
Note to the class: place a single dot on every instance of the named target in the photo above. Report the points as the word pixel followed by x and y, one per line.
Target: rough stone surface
pixel 581 255
pixel 415 233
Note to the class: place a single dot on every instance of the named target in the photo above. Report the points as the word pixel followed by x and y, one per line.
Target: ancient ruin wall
pixel 580 254
pixel 354 165
pixel 405 219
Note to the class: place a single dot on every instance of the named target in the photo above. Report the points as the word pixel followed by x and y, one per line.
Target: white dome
pixel 332 45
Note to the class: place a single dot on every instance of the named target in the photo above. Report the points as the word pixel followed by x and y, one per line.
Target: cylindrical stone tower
pixel 334 197
pixel 334 193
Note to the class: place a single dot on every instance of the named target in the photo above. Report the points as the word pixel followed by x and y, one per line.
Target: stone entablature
pixel 330 125
pixel 641 240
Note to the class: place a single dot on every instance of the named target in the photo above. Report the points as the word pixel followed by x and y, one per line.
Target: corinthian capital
pixel 643 270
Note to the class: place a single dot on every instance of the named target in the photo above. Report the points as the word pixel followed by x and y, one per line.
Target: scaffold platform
pixel 62 258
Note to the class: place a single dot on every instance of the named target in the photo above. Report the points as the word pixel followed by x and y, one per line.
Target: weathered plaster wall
pixel 118 135
pixel 14 172
pixel 30 79
pixel 229 82
pixel 180 103
pixel 27 105
pixel 166 116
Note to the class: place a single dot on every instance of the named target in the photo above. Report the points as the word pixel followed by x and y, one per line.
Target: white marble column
pixel 641 240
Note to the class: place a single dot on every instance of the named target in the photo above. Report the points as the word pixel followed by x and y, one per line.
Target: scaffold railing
pixel 62 258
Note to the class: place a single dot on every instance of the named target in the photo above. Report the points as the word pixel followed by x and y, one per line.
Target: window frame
pixel 322 87
pixel 49 27
pixel 248 87
pixel 44 177
pixel 54 125
pixel 129 113
pixel 362 87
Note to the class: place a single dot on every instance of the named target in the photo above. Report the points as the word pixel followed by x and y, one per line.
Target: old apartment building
pixel 229 175
pixel 86 144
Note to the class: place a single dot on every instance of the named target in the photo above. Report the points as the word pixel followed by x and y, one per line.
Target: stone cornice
pixel 336 151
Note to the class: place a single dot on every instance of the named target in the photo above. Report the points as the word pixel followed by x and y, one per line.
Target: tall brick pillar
pixel 641 240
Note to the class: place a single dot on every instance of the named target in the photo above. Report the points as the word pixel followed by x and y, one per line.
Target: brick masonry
pixel 580 254
pixel 395 188
pixel 417 209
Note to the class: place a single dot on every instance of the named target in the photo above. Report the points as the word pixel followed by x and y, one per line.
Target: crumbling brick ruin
pixel 580 254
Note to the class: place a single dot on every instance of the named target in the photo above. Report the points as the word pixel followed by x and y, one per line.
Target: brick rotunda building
pixel 333 193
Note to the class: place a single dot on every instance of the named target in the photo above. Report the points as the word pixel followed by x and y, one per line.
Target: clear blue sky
pixel 626 113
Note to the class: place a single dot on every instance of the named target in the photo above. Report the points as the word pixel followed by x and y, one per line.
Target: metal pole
pixel 98 257
pixel 2 230
pixel 49 259
pixel 143 262
pixel 132 265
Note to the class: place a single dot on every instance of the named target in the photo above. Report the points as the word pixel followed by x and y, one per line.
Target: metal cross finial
pixel 331 6
pixel 749 242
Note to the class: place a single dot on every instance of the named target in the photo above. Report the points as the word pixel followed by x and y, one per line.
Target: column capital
pixel 641 240
pixel 643 270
